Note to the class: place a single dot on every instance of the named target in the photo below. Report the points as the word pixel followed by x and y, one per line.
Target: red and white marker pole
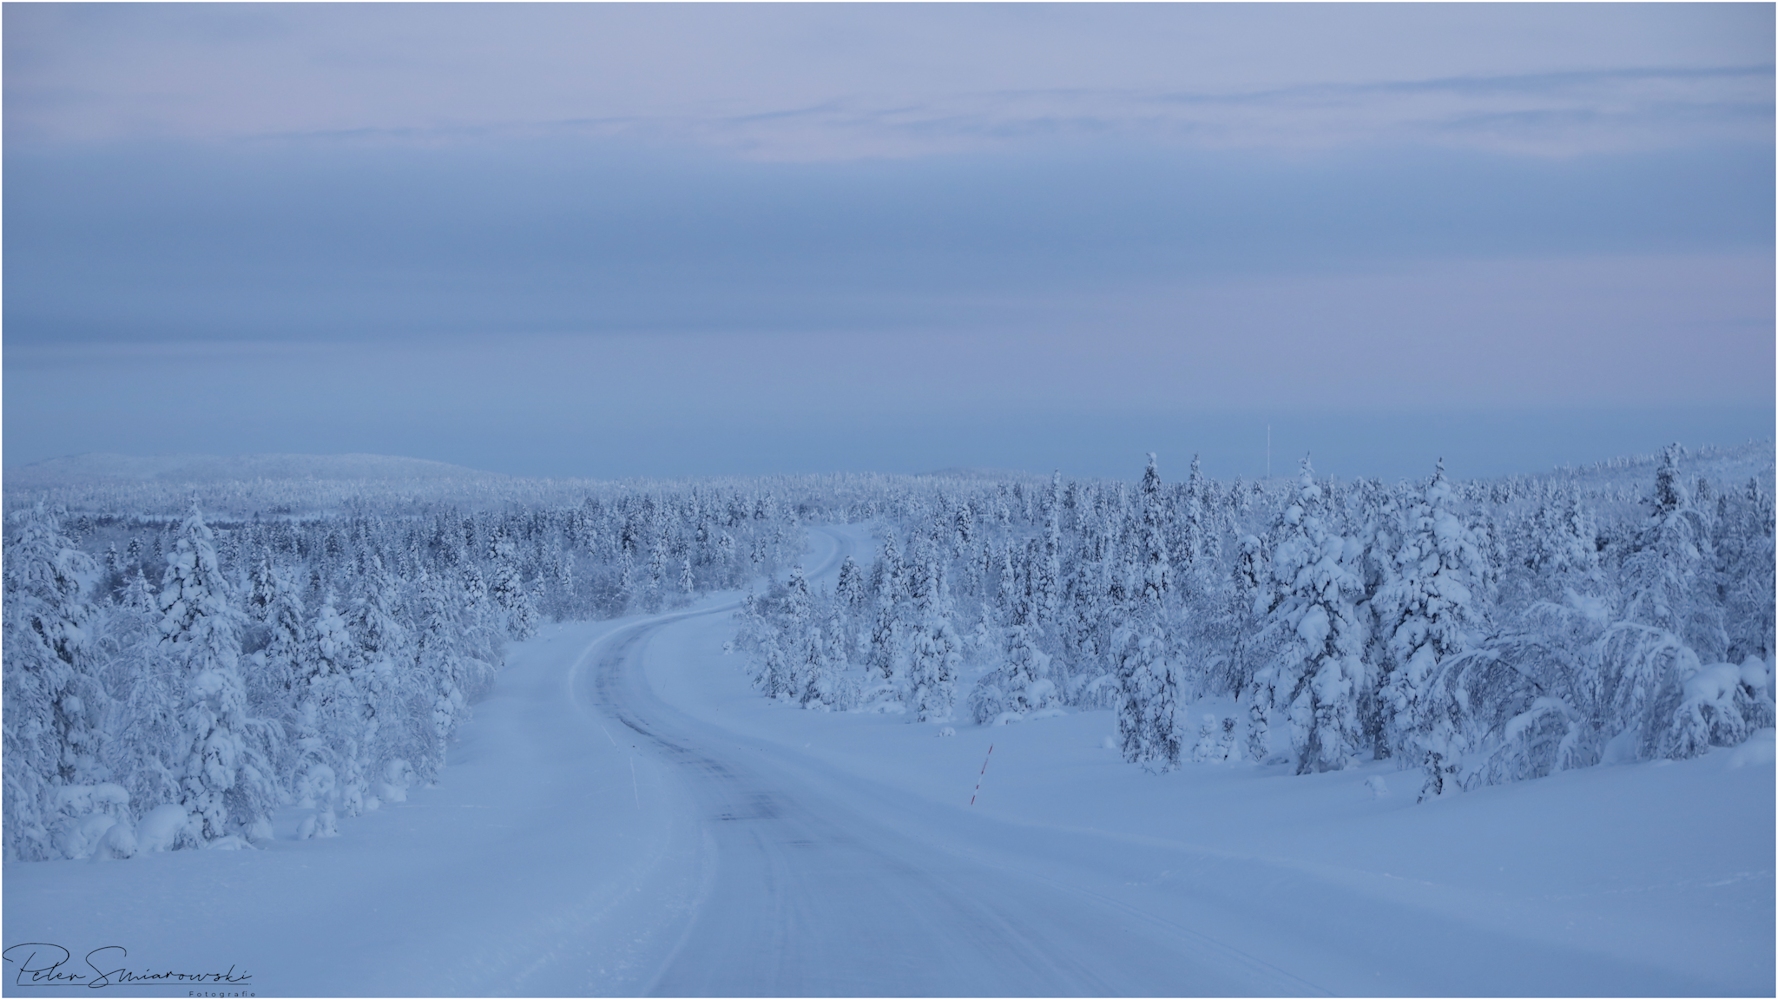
pixel 978 778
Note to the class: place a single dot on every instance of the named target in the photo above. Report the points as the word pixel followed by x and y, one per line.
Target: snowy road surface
pixel 625 816
pixel 808 890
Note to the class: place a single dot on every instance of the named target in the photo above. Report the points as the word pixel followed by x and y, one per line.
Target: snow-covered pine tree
pixel 656 589
pixel 1020 683
pixel 1431 608
pixel 383 672
pixel 1046 582
pixel 226 785
pixel 934 649
pixel 1196 532
pixel 52 695
pixel 1147 682
pixel 796 620
pixel 271 683
pixel 841 689
pixel 1560 552
pixel 814 676
pixel 1237 627
pixel 887 634
pixel 146 753
pixel 1318 674
pixel 850 590
pixel 1744 548
pixel 1665 574
pixel 507 587
pixel 1084 638
pixel 439 660
pixel 330 769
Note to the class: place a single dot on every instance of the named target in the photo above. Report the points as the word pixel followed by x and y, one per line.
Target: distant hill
pixel 97 468
pixel 967 472
pixel 1732 464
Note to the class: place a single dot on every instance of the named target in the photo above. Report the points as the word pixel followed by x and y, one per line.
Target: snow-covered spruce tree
pixel 1666 573
pixel 146 750
pixel 934 649
pixel 395 698
pixel 850 591
pixel 329 727
pixel 507 586
pixel 772 671
pixel 276 613
pixel 1744 549
pixel 226 785
pixel 1318 674
pixel 1084 629
pixel 776 627
pixel 1559 553
pixel 1046 579
pixel 815 675
pixel 1020 683
pixel 655 590
pixel 887 634
pixel 51 693
pixel 840 687
pixel 439 661
pixel 963 528
pixel 1432 607
pixel 1235 626
pixel 1147 683
pixel 1197 533
pixel 796 620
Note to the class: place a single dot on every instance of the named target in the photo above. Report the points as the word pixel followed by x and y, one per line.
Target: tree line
pixel 170 682
pixel 1480 632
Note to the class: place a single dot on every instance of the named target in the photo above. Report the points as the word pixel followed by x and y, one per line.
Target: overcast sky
pixel 680 239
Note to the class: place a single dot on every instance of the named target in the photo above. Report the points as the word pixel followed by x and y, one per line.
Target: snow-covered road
pixel 625 816
pixel 810 891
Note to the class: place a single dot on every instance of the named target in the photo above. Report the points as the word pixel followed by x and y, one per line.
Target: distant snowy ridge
pixel 1728 463
pixel 103 467
pixel 973 472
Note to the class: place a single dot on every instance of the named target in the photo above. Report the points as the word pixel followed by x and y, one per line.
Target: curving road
pixel 810 891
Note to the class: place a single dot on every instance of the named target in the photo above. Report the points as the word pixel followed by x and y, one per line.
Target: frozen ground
pixel 625 815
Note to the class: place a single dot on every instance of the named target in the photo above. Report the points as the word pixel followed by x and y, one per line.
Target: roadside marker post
pixel 978 778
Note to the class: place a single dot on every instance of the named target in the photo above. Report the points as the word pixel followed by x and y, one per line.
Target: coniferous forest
pixel 181 662
pixel 1480 632
pixel 173 677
